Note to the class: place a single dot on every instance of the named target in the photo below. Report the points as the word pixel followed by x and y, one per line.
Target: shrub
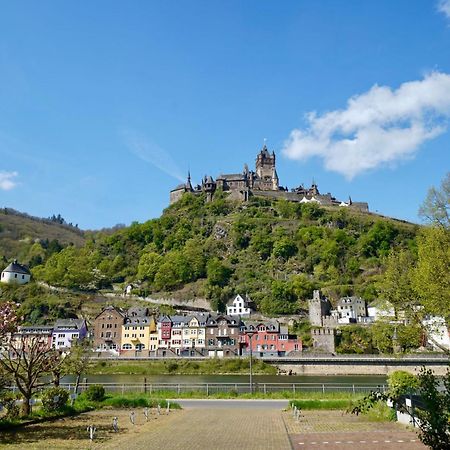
pixel 54 399
pixel 9 403
pixel 401 383
pixel 95 393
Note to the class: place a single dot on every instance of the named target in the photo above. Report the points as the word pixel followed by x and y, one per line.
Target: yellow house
pixel 136 333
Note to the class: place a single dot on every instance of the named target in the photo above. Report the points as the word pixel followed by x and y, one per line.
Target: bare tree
pixel 78 361
pixel 27 359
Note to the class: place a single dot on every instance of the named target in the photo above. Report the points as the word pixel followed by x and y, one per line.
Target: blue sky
pixel 104 105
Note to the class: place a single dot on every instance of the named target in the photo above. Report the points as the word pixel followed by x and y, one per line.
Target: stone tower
pixel 318 307
pixel 266 173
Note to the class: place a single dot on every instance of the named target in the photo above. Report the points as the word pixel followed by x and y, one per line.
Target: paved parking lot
pixel 210 426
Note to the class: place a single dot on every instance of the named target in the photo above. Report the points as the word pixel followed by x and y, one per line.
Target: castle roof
pixel 265 152
pixel 231 176
pixel 15 267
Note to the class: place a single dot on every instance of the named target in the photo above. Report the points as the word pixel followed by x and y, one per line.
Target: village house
pixel 164 330
pixel 194 335
pixel 179 323
pixel 25 335
pixel 108 330
pixel 269 338
pixel 350 310
pixel 68 331
pixel 15 273
pixel 240 306
pixel 222 335
pixel 136 332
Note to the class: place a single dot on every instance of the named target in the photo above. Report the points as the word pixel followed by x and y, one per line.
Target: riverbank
pixel 239 366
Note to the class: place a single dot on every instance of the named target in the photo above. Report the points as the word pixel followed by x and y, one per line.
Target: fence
pixel 235 388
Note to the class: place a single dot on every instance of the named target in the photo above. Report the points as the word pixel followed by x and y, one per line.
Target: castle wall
pixel 176 195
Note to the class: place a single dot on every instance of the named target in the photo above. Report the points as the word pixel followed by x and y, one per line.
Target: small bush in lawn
pixel 9 403
pixel 95 393
pixel 54 399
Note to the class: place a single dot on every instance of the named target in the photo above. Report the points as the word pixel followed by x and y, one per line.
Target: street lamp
pixel 250 334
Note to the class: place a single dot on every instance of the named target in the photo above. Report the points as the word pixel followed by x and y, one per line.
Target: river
pixel 193 379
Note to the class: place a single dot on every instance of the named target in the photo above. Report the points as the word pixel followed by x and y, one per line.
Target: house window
pixel 126 346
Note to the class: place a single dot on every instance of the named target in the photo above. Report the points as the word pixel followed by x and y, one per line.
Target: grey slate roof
pixel 142 321
pixel 69 324
pixel 231 176
pixel 36 329
pixel 17 268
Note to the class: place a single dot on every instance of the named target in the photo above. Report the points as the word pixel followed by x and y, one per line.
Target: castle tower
pixel 265 170
pixel 318 307
pixel 208 186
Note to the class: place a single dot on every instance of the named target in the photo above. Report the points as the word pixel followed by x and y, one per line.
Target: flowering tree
pixel 8 319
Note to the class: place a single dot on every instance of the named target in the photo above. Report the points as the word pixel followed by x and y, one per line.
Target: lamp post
pixel 250 335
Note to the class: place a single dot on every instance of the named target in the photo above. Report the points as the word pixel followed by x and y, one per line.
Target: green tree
pixel 382 334
pixel 401 382
pixel 434 420
pixel 284 248
pixel 148 266
pixel 397 287
pixel 218 273
pixel 354 339
pixel 436 206
pixel 431 278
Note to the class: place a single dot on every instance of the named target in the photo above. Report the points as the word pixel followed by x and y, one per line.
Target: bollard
pixel 168 408
pixel 115 424
pixel 91 430
pixel 146 414
pixel 159 409
pixel 133 418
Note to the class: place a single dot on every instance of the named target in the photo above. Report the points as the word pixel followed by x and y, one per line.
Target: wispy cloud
pixel 377 128
pixel 443 6
pixel 142 147
pixel 7 180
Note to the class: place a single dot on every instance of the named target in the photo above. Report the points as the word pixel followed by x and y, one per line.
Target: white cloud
pixel 377 128
pixel 148 151
pixel 443 6
pixel 7 181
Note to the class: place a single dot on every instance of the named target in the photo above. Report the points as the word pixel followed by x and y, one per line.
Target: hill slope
pixel 29 239
pixel 275 251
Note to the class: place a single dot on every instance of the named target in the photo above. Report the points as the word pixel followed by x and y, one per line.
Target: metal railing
pixel 235 388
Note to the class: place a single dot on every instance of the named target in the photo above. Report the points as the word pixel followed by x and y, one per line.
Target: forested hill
pixel 32 239
pixel 275 251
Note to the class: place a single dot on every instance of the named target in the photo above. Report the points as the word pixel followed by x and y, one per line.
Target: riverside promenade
pixel 218 425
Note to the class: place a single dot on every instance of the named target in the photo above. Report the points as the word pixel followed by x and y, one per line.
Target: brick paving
pixel 213 427
pixel 333 430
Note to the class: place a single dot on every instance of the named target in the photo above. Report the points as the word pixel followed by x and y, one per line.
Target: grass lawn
pixel 214 366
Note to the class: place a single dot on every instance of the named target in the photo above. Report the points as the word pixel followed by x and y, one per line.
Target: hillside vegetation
pixel 32 240
pixel 275 251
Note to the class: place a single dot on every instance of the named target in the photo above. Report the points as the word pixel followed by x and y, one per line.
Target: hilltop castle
pixel 262 182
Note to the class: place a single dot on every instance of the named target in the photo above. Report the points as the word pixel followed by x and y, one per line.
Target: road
pixel 234 404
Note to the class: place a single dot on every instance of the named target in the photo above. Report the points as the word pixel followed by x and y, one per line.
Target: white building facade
pixel 239 307
pixel 68 331
pixel 15 273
